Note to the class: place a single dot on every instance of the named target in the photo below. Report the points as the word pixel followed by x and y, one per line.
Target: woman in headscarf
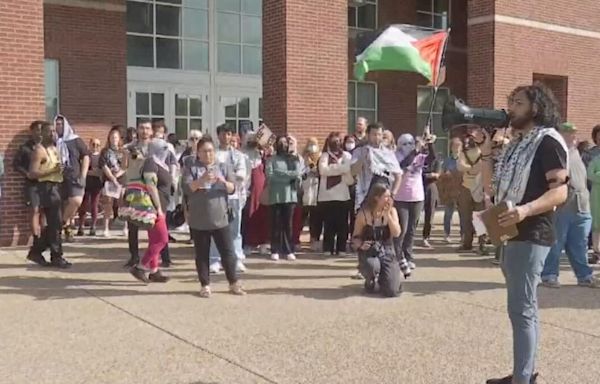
pixel 283 173
pixel 310 190
pixel 157 177
pixel 411 194
pixel 112 164
pixel 334 168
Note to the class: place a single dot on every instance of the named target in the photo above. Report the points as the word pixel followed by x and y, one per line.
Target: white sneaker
pixel 215 267
pixel 183 228
pixel 106 233
pixel 274 256
pixel 291 257
pixel 448 240
pixel 426 243
pixel 263 249
pixel 240 266
pixel 412 265
pixel 125 231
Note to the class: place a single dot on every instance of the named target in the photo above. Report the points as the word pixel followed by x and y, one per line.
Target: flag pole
pixel 434 89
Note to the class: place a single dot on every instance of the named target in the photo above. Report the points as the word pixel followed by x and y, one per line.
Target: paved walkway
pixel 302 322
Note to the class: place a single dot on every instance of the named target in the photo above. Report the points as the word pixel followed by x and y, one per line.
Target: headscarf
pixel 159 150
pixel 61 143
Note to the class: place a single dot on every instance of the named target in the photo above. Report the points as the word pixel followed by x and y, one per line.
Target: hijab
pixel 61 143
pixel 406 149
pixel 159 150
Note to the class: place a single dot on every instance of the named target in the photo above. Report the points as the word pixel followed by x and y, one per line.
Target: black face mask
pixel 334 146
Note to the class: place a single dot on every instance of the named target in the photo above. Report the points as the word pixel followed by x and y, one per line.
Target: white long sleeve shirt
pixel 339 192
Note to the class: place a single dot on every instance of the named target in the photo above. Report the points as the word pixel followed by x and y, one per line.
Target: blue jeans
pixel 236 234
pixel 448 214
pixel 522 264
pixel 572 230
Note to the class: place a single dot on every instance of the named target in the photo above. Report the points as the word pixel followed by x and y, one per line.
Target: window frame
pixel 56 73
pixel 181 38
pixel 356 7
pixel 433 14
pixel 354 108
pixel 237 117
pixel 241 44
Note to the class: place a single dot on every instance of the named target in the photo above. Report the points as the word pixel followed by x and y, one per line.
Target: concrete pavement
pixel 302 322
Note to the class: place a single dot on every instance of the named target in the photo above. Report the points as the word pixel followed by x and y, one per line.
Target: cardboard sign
pixel 265 137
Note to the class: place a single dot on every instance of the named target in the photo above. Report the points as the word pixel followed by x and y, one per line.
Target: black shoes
pixel 508 380
pixel 37 258
pixel 139 274
pixel 80 232
pixel 132 262
pixel 158 277
pixel 61 263
pixel 92 232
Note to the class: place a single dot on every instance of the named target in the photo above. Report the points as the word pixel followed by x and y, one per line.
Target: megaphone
pixel 456 112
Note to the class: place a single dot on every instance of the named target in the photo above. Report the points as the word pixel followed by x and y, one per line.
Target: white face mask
pixel 350 146
pixel 312 148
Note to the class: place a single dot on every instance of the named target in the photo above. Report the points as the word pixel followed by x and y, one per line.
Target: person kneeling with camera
pixel 376 225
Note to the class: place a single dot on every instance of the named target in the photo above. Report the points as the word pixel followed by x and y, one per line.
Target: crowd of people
pixel 365 192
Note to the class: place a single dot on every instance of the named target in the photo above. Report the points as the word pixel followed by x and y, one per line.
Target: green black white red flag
pixel 401 47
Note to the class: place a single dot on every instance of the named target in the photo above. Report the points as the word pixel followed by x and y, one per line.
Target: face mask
pixel 312 148
pixel 350 146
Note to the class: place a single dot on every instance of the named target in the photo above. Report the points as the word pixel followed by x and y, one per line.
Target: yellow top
pixel 52 161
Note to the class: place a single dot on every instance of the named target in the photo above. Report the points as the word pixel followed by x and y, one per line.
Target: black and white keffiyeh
pixel 511 172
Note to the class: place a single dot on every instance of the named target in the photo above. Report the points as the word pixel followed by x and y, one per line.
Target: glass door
pixel 190 113
pixel 239 112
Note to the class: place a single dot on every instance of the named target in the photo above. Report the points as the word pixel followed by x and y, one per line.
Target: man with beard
pixel 531 172
pixel 75 158
pixel 47 168
pixel 21 165
pixel 360 132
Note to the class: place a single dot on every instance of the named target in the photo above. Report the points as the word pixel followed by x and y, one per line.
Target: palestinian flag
pixel 401 47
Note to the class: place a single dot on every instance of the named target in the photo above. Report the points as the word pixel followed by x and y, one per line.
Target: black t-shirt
pixel 77 151
pixel 539 229
pixel 23 158
pixel 163 183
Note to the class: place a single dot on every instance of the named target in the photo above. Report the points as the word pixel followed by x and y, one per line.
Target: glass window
pixel 168 34
pixel 237 111
pixel 362 102
pixel 239 36
pixel 363 16
pixel 51 87
pixel 424 99
pixel 433 14
pixel 140 51
pixel 149 105
pixel 140 17
pixel 168 53
pixel 188 114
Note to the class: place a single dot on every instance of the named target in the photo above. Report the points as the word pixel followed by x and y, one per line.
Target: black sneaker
pixel 508 380
pixel 92 232
pixel 61 263
pixel 38 259
pixel 132 262
pixel 158 277
pixel 593 258
pixel 139 274
pixel 80 232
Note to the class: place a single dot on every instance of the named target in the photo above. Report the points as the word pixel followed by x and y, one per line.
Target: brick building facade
pixel 306 87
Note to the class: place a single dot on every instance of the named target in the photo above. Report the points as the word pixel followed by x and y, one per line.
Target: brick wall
pixel 90 45
pixel 21 101
pixel 305 88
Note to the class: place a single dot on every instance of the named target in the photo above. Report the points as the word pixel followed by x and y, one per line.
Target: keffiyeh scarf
pixel 512 169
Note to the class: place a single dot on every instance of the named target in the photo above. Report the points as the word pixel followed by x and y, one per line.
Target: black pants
pixel 315 220
pixel 281 228
pixel 408 213
pixel 431 202
pixel 134 245
pixel 224 243
pixel 336 226
pixel 51 206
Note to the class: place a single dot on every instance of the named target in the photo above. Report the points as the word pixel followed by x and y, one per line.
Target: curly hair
pixel 547 107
